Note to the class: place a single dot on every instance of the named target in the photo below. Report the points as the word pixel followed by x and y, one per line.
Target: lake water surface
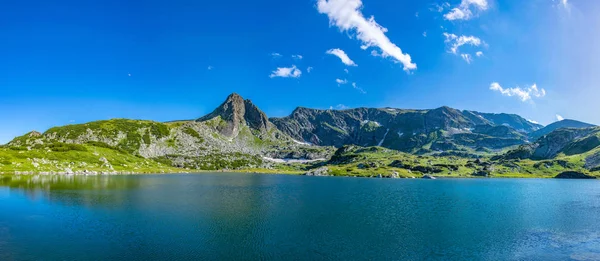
pixel 279 217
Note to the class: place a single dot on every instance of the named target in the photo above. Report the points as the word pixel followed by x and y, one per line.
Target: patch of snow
pixel 385 135
pixel 506 124
pixel 293 160
pixel 532 121
pixel 400 134
pixel 367 121
pixel 302 143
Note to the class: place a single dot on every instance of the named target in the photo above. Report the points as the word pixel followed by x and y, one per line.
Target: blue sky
pixel 74 61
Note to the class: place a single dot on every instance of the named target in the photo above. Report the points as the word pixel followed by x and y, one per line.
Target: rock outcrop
pixel 235 113
pixel 322 171
pixel 573 175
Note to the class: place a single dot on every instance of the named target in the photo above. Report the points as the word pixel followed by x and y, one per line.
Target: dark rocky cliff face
pixel 405 130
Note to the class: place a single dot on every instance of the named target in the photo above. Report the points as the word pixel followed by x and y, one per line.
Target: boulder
pixel 428 177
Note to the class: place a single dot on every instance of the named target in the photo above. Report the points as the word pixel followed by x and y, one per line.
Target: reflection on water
pixel 97 189
pixel 66 182
pixel 225 216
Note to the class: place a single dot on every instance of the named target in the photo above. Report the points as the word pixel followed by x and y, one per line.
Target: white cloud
pixel 342 55
pixel 309 69
pixel 210 67
pixel 339 107
pixel 565 4
pixel 347 16
pixel 455 42
pixel 346 70
pixel 464 10
pixel 425 34
pixel 440 8
pixel 297 56
pixel 524 95
pixel 559 118
pixel 358 88
pixel 467 57
pixel 341 82
pixel 276 55
pixel 479 54
pixel 286 72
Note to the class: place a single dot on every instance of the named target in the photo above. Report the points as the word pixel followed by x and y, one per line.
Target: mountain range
pixel 237 134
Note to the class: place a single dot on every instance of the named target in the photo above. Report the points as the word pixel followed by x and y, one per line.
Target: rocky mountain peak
pixel 237 112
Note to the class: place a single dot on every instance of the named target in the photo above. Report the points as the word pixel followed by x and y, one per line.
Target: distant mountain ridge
pixel 558 125
pixel 404 129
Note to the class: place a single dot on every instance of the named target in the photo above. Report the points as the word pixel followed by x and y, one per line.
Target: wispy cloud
pixel 210 67
pixel 342 55
pixel 347 16
pixel 479 54
pixel 358 88
pixel 297 56
pixel 286 72
pixel 467 57
pixel 309 69
pixel 464 11
pixel 524 94
pixel 559 118
pixel 439 7
pixel 564 4
pixel 341 82
pixel 454 42
pixel 275 55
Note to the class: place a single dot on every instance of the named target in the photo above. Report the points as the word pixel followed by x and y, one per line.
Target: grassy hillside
pixel 377 161
pixel 74 158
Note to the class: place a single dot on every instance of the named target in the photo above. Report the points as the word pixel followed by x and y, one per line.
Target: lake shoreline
pixel 261 172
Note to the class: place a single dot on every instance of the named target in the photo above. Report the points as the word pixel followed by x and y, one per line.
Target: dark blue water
pixel 279 217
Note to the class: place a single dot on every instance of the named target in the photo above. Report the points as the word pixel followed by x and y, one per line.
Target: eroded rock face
pixel 593 161
pixel 322 171
pixel 235 113
pixel 573 175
